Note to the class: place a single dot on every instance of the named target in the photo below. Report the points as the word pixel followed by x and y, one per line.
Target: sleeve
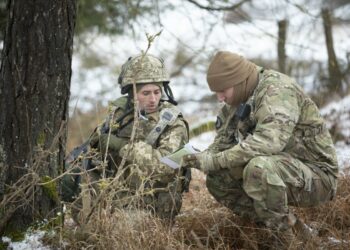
pixel 220 142
pixel 100 129
pixel 148 158
pixel 219 137
pixel 277 111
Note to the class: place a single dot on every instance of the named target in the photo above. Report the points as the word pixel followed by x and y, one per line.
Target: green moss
pixel 50 188
pixel 14 234
pixel 41 139
pixel 3 245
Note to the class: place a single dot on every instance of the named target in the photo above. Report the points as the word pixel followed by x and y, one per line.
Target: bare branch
pixel 120 171
pixel 212 8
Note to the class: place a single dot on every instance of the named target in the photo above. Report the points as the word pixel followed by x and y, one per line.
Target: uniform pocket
pixel 276 198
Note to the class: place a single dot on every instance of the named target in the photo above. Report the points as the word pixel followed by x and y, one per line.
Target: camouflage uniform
pixel 280 155
pixel 159 185
pixel 143 181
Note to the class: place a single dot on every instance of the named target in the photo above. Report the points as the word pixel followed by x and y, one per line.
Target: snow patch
pixel 32 240
pixel 202 141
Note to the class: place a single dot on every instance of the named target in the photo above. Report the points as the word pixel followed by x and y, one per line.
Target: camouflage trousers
pixel 264 188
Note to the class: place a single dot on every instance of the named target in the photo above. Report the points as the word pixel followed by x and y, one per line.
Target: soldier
pixel 272 148
pixel 160 130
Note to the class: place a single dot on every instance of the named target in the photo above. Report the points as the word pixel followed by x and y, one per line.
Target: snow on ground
pixel 202 141
pixel 31 241
pixel 343 153
pixel 337 114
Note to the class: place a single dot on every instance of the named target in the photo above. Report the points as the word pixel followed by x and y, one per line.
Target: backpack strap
pixel 167 117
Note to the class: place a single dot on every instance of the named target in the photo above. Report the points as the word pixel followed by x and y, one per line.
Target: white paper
pixel 174 160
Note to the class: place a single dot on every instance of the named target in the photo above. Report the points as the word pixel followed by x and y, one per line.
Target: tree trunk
pixel 281 45
pixel 34 92
pixel 335 76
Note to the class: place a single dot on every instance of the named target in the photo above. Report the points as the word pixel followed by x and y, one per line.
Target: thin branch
pixel 121 169
pixel 196 53
pixel 212 8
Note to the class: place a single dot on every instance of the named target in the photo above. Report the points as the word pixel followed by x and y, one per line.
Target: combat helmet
pixel 143 69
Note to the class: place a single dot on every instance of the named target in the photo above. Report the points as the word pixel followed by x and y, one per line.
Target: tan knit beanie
pixel 231 70
pixel 228 69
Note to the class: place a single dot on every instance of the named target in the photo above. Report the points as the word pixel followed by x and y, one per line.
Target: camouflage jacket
pixel 283 120
pixel 144 157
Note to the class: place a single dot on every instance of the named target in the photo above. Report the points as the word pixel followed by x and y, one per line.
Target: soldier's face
pixel 226 95
pixel 149 96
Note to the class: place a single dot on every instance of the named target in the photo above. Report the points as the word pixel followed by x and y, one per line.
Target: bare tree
pixel 34 92
pixel 281 45
pixel 335 75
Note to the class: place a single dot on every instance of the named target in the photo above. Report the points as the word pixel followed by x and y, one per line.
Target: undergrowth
pixel 203 224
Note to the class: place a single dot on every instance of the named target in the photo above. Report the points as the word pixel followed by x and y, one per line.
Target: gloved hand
pixel 204 161
pixel 114 144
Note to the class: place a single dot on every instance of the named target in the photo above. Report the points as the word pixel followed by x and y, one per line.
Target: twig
pixel 211 8
pixel 120 171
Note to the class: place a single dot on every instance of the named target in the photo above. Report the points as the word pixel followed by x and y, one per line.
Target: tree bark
pixel 34 92
pixel 281 45
pixel 335 75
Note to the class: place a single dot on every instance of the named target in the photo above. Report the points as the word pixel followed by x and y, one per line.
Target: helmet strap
pixel 130 99
pixel 169 93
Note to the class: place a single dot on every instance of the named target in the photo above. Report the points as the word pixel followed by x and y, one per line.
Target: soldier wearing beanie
pixel 272 148
pixel 229 70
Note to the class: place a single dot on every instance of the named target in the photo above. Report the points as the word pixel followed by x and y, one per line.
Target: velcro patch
pixel 167 116
pixel 218 123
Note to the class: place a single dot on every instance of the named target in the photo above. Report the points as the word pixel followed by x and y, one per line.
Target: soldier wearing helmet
pixel 160 129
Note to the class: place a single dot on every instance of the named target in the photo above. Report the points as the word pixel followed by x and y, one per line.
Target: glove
pixel 114 143
pixel 204 161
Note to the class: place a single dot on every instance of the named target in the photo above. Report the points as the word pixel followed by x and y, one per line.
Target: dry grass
pixel 205 224
pixel 133 229
pixel 332 220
